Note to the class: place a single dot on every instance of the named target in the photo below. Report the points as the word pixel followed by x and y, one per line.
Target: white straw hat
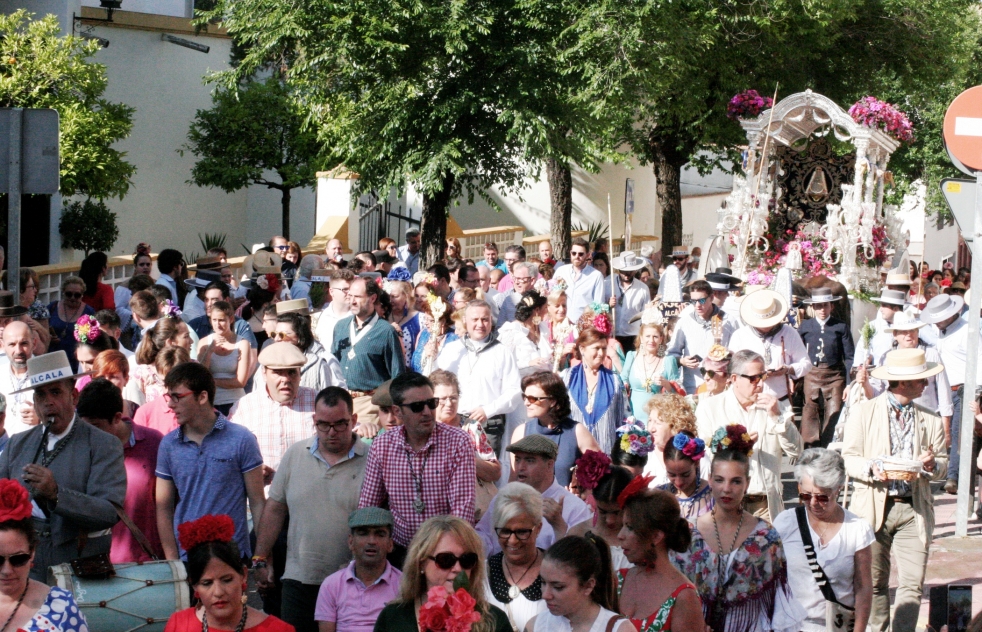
pixel 906 364
pixel 763 309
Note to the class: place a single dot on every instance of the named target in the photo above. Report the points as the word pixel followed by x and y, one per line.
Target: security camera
pixel 103 42
pixel 201 48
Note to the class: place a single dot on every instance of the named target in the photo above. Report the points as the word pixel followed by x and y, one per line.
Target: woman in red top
pixel 97 294
pixel 218 578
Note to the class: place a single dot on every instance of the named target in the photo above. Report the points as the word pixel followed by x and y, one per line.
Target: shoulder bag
pixel 838 618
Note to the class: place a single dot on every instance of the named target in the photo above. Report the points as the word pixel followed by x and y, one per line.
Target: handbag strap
pixel 806 539
pixel 612 622
pixel 135 530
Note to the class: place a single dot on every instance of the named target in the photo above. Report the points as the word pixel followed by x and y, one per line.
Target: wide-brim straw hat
pixel 293 306
pixel 941 307
pixel 763 309
pixel 903 322
pixel 628 261
pixel 680 251
pixel 906 364
pixel 202 278
pixel 821 295
pixel 891 297
pixel 48 368
pixel 898 278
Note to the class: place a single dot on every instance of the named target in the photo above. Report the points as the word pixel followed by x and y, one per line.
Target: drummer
pixel 901 511
pixel 74 472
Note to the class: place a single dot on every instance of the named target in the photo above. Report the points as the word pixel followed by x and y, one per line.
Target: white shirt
pixel 8 384
pixel 325 325
pixel 837 559
pixel 630 302
pixel 953 347
pixel 694 336
pixel 582 288
pixel 193 307
pixel 488 379
pixel 122 296
pixel 168 282
pixel 795 354
pixel 515 336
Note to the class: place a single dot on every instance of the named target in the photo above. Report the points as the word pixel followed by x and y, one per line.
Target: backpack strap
pixel 806 539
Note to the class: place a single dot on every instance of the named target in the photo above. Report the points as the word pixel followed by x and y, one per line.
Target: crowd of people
pixel 510 444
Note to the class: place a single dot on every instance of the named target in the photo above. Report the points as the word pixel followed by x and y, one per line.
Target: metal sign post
pixel 14 202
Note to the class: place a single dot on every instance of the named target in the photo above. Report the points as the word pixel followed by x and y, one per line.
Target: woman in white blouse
pixel 522 335
pixel 842 542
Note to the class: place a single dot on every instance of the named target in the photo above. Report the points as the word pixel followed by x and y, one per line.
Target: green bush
pixel 88 226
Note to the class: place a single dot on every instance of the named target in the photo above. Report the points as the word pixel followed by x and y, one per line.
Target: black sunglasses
pixel 753 379
pixel 16 560
pixel 417 407
pixel 337 426
pixel 805 498
pixel 532 399
pixel 72 294
pixel 446 561
pixel 708 373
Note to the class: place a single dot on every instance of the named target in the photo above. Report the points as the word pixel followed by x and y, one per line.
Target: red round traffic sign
pixel 963 129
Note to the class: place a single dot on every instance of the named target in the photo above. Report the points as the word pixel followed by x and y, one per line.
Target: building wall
pixel 176 8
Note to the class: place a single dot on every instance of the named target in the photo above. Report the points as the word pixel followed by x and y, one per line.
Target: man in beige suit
pixel 884 435
pixel 769 421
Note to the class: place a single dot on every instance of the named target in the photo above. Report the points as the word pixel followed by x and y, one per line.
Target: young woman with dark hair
pixel 97 294
pixel 608 512
pixel 683 456
pixel 218 578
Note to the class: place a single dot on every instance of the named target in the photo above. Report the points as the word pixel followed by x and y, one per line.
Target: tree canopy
pixel 40 68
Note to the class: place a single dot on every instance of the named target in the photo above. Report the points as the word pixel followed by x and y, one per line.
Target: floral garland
pixel 597 316
pixel 209 528
pixel 590 468
pixel 877 114
pixel 170 309
pixel 747 104
pixel 15 502
pixel 692 447
pixel 732 437
pixel 635 438
pixel 87 329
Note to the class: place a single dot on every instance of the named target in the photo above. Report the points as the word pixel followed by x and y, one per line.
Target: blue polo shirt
pixel 209 477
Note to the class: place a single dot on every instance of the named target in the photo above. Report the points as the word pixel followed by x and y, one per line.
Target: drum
pixel 140 597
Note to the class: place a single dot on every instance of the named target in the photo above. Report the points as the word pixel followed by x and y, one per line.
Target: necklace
pixel 418 505
pixel 718 605
pixel 648 381
pixel 238 628
pixel 48 457
pixel 821 534
pixel 513 590
pixel 17 607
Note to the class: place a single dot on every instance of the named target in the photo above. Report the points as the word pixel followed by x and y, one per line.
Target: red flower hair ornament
pixel 591 467
pixel 209 528
pixel 635 487
pixel 15 502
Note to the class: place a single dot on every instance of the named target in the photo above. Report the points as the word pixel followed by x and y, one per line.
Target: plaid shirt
pixel 901 441
pixel 446 466
pixel 276 426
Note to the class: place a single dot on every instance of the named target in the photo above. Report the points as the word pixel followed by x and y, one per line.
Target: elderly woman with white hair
pixel 823 538
pixel 513 578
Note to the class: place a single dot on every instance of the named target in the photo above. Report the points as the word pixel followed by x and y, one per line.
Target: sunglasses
pixel 708 373
pixel 680 258
pixel 446 561
pixel 577 254
pixel 281 335
pixel 699 301
pixel 337 426
pixel 282 247
pixel 16 560
pixel 805 498
pixel 753 379
pixel 521 534
pixel 417 407
pixel 72 294
pixel 532 399
pixel 178 396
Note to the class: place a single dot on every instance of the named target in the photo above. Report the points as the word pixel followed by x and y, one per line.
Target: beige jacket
pixel 777 435
pixel 867 436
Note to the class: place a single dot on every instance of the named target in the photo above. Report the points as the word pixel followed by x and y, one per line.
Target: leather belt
pixel 906 500
pixel 835 367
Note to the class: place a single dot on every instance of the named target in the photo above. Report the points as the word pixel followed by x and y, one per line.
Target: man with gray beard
pixel 17 344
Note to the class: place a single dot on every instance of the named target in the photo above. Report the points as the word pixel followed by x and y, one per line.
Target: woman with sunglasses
pixel 736 560
pixel 714 370
pixel 841 541
pixel 513 583
pixel 683 464
pixel 228 357
pixel 442 548
pixel 648 370
pixel 26 604
pixel 64 314
pixel 453 250
pixel 548 409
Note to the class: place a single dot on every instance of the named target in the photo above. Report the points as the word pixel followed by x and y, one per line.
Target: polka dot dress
pixel 59 613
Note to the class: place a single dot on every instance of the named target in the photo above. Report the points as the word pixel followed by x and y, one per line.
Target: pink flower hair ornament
pixel 87 329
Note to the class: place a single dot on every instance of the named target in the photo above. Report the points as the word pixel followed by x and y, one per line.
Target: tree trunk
pixel 560 206
pixel 433 225
pixel 668 173
pixel 285 201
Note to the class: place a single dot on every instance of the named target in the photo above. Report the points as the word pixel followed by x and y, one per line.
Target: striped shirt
pixel 376 358
pixel 276 426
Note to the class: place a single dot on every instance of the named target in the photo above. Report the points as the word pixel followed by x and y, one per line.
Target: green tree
pixel 40 68
pixel 254 128
pixel 88 226
pixel 669 68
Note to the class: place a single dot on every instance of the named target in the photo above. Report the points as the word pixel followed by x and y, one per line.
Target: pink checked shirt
pixel 276 426
pixel 446 465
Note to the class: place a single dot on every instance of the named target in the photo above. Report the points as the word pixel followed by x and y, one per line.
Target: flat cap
pixel 381 395
pixel 370 517
pixel 282 355
pixel 535 444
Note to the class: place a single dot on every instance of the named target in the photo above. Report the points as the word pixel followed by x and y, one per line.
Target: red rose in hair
pixel 205 529
pixel 591 467
pixel 15 502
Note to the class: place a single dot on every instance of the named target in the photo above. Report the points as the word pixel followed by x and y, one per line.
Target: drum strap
pixel 135 530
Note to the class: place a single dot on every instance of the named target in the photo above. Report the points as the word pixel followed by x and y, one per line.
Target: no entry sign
pixel 963 130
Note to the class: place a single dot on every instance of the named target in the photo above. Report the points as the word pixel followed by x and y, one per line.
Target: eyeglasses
pixel 709 373
pixel 417 407
pixel 532 399
pixel 446 561
pixel 30 286
pixel 72 294
pixel 805 498
pixel 577 254
pixel 524 279
pixel 521 534
pixel 699 301
pixel 168 397
pixel 16 560
pixel 337 426
pixel 279 335
pixel 282 247
pixel 753 379
pixel 343 290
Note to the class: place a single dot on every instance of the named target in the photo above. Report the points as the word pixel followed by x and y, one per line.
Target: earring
pixel 197 596
pixel 245 600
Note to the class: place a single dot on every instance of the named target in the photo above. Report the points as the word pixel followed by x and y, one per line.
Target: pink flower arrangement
pixel 872 112
pixel 448 612
pixel 880 243
pixel 87 329
pixel 747 104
